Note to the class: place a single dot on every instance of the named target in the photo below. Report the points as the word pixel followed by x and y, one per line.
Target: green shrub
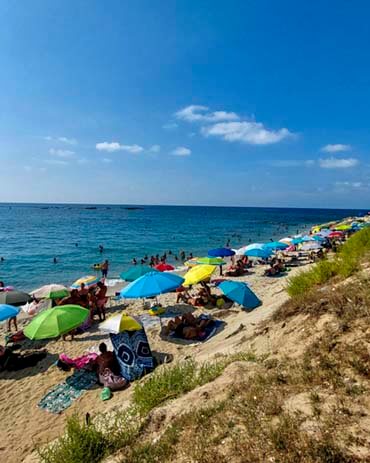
pixel 81 443
pixel 346 262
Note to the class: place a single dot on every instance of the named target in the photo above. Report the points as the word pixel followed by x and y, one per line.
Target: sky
pixel 185 102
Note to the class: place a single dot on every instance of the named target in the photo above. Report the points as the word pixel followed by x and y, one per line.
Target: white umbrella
pixel 120 322
pixel 311 246
pixel 52 291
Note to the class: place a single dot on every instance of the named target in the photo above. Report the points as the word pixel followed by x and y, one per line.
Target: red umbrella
pixel 335 234
pixel 163 267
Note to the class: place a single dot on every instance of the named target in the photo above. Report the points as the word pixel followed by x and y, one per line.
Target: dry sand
pixel 24 425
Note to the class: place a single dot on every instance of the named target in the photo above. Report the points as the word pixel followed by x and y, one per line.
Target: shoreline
pixel 25 425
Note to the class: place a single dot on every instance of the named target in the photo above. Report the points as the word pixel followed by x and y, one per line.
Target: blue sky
pixel 243 103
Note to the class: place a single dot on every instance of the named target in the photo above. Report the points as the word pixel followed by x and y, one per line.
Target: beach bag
pixel 133 353
pixel 112 381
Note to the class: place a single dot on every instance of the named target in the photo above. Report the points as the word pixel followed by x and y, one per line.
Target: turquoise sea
pixel 31 235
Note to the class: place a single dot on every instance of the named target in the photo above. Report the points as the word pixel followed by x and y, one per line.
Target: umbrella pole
pixel 220 270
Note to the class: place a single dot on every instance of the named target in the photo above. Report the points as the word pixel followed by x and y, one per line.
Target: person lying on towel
pixel 188 326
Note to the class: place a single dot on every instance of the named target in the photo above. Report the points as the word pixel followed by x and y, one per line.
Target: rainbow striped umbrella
pixel 88 280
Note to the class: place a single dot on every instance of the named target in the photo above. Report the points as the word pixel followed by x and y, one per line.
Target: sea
pixel 32 235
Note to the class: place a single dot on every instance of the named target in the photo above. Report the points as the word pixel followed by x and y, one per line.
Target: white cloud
pixel 155 149
pixel 181 151
pixel 253 133
pixel 292 163
pixel 349 184
pixel 336 148
pixel 337 163
pixel 107 160
pixel 67 141
pixel 170 126
pixel 115 146
pixel 56 162
pixel 82 161
pixel 61 153
pixel 194 113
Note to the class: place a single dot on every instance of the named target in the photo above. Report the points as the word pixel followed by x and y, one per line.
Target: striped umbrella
pixel 88 280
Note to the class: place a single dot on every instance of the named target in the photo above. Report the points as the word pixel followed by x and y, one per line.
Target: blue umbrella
pixel 221 252
pixel 297 240
pixel 136 272
pixel 151 284
pixel 319 238
pixel 258 252
pixel 239 292
pixel 307 238
pixel 274 245
pixel 8 311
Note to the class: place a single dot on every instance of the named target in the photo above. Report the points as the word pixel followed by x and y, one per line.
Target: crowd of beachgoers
pixel 181 304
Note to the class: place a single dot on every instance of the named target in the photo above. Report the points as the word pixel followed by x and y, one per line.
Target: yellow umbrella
pixel 198 273
pixel 343 227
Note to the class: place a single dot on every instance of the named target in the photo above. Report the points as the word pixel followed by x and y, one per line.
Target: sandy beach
pixel 25 426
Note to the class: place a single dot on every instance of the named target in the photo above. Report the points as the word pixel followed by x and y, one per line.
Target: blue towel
pixel 133 353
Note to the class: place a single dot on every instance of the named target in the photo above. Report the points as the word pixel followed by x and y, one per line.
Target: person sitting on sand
pixel 187 327
pixel 74 298
pixel 2 286
pixel 107 368
pixel 14 321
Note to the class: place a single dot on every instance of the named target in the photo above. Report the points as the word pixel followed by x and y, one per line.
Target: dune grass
pixel 175 380
pixel 346 262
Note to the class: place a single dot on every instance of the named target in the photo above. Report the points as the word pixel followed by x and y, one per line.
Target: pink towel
pixel 79 362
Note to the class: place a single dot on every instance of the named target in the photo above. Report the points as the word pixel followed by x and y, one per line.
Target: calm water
pixel 31 235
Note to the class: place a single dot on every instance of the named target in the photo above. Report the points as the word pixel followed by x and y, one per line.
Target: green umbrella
pixel 136 272
pixel 211 261
pixel 51 323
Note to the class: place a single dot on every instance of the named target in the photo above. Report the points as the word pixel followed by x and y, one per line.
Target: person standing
pixel 105 268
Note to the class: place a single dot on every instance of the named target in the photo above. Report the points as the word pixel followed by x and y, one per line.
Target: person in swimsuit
pixel 105 268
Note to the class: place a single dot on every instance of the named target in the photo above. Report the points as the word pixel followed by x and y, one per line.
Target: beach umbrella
pixel 275 245
pixel 50 292
pixel 260 252
pixel 240 293
pixel 335 234
pixel 8 311
pixel 221 252
pixel 136 272
pixel 307 238
pixel 343 227
pixel 16 298
pixel 319 238
pixel 51 323
pixel 88 280
pixel 120 322
pixel 163 267
pixel 151 284
pixel 211 261
pixel 191 262
pixel 286 240
pixel 198 274
pixel 310 246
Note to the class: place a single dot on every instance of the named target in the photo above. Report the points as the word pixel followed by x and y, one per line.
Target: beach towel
pixel 78 362
pixel 62 395
pixel 133 353
pixel 210 330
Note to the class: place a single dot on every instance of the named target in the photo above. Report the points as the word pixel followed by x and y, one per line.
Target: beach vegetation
pixel 345 263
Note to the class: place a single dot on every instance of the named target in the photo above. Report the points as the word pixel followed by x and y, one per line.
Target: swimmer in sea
pixel 101 248
pixel 55 260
